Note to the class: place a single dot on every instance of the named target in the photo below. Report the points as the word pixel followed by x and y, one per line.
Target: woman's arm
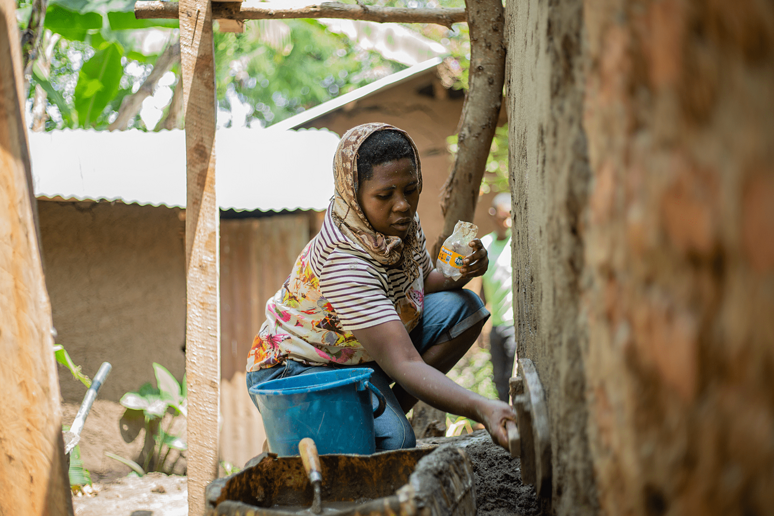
pixel 390 345
pixel 473 266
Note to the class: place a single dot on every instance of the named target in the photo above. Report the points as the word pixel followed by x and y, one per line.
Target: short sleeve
pixel 356 292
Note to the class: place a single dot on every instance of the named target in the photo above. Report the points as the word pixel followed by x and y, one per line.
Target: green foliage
pixel 61 355
pixel 98 82
pixel 154 403
pixel 71 25
pixel 496 172
pixel 474 372
pixel 136 468
pixel 281 78
pixel 79 475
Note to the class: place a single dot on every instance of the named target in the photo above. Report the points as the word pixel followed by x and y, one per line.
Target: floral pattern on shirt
pixel 302 325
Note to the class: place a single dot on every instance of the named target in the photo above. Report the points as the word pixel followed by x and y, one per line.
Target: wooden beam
pixel 202 254
pixel 239 11
pixel 33 472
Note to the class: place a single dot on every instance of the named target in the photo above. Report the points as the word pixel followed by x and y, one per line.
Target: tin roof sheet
pixel 256 169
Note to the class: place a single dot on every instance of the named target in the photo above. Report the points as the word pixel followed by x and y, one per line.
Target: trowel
pixel 308 451
pixel 72 436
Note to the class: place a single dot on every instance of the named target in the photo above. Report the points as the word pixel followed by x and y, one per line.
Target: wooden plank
pixel 237 11
pixel 33 473
pixel 202 256
pixel 231 26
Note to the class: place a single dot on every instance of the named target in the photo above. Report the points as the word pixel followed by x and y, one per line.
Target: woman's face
pixel 390 198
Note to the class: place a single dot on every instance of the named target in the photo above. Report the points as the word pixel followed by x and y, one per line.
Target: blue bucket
pixel 332 407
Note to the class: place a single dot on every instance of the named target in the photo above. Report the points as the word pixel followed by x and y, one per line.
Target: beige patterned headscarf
pixel 349 217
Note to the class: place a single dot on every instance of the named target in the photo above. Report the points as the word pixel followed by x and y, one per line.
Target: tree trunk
pixel 133 103
pixel 479 114
pixel 33 474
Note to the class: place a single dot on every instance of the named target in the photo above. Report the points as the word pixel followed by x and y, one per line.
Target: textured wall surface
pixel 642 144
pixel 550 180
pixel 116 278
pixel 679 247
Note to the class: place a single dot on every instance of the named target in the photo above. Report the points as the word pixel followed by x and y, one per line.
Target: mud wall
pixel 550 180
pixel 642 144
pixel 116 277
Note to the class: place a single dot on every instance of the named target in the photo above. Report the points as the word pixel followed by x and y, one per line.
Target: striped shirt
pixel 335 288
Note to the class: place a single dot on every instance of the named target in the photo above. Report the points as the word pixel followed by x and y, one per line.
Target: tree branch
pixel 237 11
pixel 39 103
pixel 480 112
pixel 173 120
pixel 30 37
pixel 132 104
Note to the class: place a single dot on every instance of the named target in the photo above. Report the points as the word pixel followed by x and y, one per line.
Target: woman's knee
pixel 393 431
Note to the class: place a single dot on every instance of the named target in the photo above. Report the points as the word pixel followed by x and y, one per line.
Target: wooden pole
pixel 239 11
pixel 33 473
pixel 202 256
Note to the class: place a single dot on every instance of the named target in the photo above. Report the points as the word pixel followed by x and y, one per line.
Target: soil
pixel 155 494
pixel 499 491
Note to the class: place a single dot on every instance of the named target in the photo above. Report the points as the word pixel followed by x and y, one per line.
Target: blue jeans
pixel 445 317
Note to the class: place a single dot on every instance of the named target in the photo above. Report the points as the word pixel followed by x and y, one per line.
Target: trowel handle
pixel 308 451
pixel 88 400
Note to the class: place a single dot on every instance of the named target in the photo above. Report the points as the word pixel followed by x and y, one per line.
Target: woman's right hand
pixel 494 415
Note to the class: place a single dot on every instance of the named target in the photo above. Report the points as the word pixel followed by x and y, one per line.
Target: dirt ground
pixel 499 491
pixel 155 494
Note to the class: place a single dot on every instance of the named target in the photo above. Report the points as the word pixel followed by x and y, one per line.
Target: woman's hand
pixel 477 263
pixel 494 414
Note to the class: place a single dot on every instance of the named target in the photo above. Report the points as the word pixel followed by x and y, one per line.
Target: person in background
pixel 497 292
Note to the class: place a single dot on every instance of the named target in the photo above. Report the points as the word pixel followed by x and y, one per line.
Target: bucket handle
pixel 382 402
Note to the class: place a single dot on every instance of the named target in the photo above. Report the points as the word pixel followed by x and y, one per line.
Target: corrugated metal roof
pixel 257 169
pixel 365 91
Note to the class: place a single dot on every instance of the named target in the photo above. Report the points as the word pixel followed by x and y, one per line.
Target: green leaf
pixel 71 24
pixel 172 441
pixel 98 83
pixel 167 384
pixel 79 475
pixel 147 388
pixel 129 462
pixel 127 21
pixel 72 5
pixel 134 401
pixel 157 407
pixel 184 389
pixel 64 358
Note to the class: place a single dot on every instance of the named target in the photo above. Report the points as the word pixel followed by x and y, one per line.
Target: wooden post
pixel 202 256
pixel 33 475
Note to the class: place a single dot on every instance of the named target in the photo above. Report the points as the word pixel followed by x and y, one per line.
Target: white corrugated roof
pixel 257 169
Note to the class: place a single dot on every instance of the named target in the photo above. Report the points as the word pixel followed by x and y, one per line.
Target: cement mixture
pixel 499 491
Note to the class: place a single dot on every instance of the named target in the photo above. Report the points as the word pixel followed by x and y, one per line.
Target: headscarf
pixel 349 216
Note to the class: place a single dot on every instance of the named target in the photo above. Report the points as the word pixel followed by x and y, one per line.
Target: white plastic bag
pixel 455 249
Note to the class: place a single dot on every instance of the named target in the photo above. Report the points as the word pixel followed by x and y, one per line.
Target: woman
pixel 363 293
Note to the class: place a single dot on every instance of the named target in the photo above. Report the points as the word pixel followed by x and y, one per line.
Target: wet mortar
pixel 499 490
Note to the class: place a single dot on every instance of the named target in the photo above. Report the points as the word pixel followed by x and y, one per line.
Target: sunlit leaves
pixel 98 82
pixel 70 24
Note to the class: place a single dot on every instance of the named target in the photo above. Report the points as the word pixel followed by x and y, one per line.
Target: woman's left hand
pixel 477 263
